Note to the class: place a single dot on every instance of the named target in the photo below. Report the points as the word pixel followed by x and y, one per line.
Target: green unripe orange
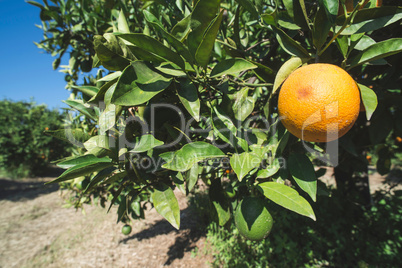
pixel 253 219
pixel 126 230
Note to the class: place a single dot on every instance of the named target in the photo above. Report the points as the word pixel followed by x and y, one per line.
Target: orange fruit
pixel 398 139
pixel 319 102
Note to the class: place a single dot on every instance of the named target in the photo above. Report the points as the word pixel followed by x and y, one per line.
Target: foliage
pixel 345 234
pixel 191 91
pixel 24 149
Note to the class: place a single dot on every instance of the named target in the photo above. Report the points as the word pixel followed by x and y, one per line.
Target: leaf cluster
pixel 190 93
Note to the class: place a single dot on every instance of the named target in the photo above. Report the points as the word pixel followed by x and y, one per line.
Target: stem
pixel 334 37
pixel 348 19
pixel 255 85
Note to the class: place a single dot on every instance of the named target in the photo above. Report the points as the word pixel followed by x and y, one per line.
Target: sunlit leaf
pixel 369 99
pixel 377 51
pixel 138 83
pixel 231 67
pixel 192 153
pixel 145 143
pixel 287 197
pixel 204 50
pixel 165 203
pixel 152 45
pixel 243 163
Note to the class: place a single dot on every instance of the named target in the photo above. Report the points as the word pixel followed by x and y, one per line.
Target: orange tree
pixel 188 90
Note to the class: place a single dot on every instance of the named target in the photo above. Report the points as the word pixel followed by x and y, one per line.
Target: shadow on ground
pixel 16 190
pixel 191 230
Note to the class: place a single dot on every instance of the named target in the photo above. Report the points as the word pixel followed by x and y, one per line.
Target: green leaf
pixel 167 156
pixel 175 43
pixel 178 181
pixel 188 95
pixel 225 129
pixel 70 135
pixel 101 141
pixel 377 51
pixel 203 14
pixel 289 45
pixel 122 25
pixel 250 7
pixel 204 50
pixel 232 67
pixel 364 42
pixel 243 163
pixel 369 99
pixel 297 12
pixel 302 171
pixel 110 54
pixel 169 69
pixel 343 45
pixel 243 105
pixel 370 19
pixel 152 45
pixel 263 72
pixel 182 28
pixel 100 96
pixel 305 21
pixel 166 204
pixel 138 83
pixel 286 69
pixel 289 8
pixel 110 77
pixel 85 109
pixel 145 143
pixel 107 119
pixel 192 177
pixel 285 21
pixel 82 159
pixel 87 90
pixel 331 9
pixel 101 175
pixel 219 201
pixel 321 27
pixel 287 197
pixel 115 177
pixel 80 170
pixel 192 153
pixel 271 18
pixel 270 170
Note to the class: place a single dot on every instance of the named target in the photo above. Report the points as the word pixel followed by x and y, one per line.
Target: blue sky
pixel 26 71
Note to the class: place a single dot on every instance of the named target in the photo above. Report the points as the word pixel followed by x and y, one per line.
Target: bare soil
pixel 37 231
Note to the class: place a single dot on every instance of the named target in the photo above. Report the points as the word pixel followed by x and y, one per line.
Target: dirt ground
pixel 37 231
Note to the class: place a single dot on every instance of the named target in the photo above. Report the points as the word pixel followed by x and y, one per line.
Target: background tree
pixel 24 150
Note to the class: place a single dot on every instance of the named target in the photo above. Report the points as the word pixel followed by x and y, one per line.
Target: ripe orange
pixel 319 102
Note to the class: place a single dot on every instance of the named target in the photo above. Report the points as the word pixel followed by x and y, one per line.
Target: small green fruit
pixel 253 219
pixel 126 230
